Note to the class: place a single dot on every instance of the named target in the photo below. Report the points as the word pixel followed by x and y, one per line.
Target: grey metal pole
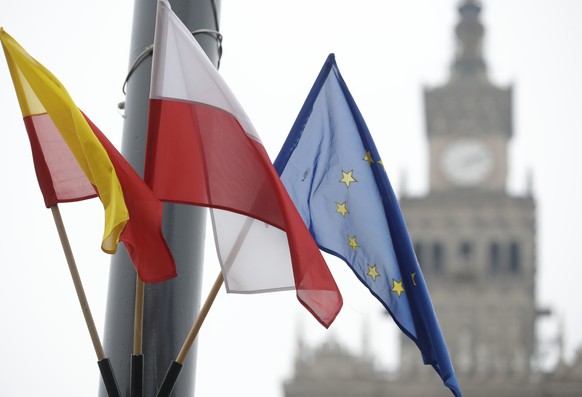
pixel 170 307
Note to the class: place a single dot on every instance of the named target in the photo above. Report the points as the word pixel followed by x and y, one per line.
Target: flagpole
pixel 176 366
pixel 200 319
pixel 136 373
pixel 169 307
pixel 103 362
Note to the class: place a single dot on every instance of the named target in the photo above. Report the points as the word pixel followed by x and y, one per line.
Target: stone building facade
pixel 331 371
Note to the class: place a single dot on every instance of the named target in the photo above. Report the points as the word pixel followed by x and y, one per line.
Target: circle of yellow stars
pixel 342 209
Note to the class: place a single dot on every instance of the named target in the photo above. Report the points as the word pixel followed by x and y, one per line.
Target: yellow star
pixel 348 178
pixel 352 242
pixel 382 164
pixel 342 208
pixel 368 157
pixel 372 272
pixel 413 275
pixel 397 287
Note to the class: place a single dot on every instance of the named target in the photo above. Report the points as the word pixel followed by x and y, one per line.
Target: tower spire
pixel 469 62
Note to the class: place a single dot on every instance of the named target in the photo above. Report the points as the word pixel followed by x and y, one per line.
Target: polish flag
pixel 203 150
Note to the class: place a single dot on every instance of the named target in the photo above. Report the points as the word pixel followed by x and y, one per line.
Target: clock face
pixel 467 161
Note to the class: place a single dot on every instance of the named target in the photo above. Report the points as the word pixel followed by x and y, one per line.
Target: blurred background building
pixel 476 244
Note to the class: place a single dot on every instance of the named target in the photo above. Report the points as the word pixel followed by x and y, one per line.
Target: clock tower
pixel 468 120
pixel 474 241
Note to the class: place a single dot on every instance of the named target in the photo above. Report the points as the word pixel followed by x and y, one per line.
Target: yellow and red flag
pixel 74 161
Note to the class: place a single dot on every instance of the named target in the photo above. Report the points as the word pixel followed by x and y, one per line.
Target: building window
pixel 466 252
pixel 438 262
pixel 494 258
pixel 514 258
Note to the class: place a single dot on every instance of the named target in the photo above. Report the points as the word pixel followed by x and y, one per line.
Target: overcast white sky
pixel 387 51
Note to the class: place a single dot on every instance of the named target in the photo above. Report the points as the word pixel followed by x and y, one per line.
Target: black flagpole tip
pixel 170 380
pixel 136 381
pixel 108 378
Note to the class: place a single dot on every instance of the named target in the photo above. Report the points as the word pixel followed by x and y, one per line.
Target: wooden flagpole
pixel 103 362
pixel 138 317
pixel 200 319
pixel 136 373
pixel 174 370
pixel 176 366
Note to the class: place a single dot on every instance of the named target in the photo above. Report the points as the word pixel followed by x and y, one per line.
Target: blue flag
pixel 333 172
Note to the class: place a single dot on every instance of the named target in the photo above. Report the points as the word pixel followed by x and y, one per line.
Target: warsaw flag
pixel 74 161
pixel 202 149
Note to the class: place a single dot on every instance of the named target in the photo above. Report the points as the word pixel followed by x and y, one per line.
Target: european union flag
pixel 333 172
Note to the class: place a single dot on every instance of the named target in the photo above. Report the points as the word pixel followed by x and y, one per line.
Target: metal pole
pixel 170 307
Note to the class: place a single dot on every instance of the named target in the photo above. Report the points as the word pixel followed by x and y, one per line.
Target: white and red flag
pixel 203 150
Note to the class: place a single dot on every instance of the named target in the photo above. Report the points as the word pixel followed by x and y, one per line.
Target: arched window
pixel 438 262
pixel 514 258
pixel 466 251
pixel 494 258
